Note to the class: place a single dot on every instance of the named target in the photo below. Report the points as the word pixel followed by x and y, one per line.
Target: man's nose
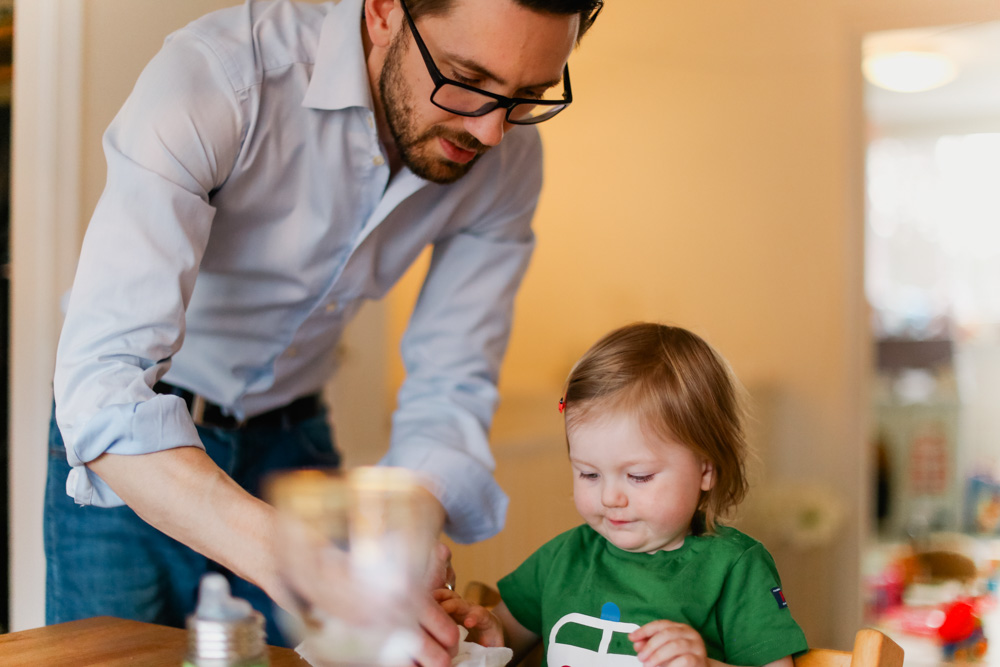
pixel 488 128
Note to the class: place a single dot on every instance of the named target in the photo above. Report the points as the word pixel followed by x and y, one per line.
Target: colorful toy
pixel 961 633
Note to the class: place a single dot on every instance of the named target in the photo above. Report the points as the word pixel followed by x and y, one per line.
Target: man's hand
pixel 440 641
pixel 440 573
pixel 320 580
pixel 666 643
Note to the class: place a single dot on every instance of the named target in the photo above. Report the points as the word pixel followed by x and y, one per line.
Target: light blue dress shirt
pixel 248 213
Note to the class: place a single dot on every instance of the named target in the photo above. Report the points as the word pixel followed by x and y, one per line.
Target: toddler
pixel 654 426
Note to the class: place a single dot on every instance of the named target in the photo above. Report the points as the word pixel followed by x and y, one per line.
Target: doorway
pixel 932 279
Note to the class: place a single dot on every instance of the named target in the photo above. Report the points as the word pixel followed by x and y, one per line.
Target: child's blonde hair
pixel 679 388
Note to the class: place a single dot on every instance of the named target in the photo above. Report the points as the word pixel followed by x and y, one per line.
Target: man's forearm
pixel 182 493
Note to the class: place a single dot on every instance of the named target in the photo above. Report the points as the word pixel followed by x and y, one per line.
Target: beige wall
pixel 709 176
pixel 703 178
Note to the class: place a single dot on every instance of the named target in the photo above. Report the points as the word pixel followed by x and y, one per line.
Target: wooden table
pixel 109 642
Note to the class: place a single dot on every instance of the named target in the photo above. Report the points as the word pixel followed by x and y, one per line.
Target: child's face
pixel 636 489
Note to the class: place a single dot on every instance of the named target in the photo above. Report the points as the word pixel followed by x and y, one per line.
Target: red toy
pixel 961 633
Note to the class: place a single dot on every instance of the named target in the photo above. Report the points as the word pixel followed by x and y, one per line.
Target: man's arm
pixel 173 142
pixel 184 494
pixel 458 334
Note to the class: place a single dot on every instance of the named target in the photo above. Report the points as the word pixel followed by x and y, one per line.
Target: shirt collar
pixel 340 74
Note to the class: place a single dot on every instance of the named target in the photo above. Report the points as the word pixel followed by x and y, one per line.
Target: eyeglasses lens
pixel 470 103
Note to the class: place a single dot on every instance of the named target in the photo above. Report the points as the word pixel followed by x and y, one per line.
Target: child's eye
pixel 640 478
pixel 588 475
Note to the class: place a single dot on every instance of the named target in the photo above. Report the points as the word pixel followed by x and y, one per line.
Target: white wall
pixel 44 192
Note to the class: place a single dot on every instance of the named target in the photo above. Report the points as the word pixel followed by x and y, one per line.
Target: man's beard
pixel 415 148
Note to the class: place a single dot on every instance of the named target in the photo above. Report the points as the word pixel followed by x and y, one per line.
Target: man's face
pixel 496 45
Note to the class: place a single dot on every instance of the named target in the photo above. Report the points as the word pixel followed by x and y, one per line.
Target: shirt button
pixel 371 122
pixel 332 306
pixel 292 351
pixel 378 160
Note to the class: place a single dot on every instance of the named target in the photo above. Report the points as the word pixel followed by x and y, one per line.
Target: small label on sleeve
pixel 779 597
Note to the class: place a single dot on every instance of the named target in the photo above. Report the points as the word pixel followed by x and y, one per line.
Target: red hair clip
pixel 562 404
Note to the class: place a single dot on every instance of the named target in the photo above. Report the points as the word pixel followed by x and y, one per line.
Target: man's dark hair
pixel 587 9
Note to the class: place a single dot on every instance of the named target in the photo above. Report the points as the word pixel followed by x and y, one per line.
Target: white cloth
pixel 339 643
pixel 247 215
pixel 471 654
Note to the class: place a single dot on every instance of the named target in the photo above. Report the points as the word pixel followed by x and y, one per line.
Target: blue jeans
pixel 109 562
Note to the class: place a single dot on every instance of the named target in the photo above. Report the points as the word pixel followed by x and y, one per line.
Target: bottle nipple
pixel 224 631
pixel 216 603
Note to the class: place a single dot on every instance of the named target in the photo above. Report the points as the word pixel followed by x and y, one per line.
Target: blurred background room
pixel 724 167
pixel 932 278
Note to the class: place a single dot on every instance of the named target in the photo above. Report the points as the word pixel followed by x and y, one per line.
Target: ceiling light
pixel 909 71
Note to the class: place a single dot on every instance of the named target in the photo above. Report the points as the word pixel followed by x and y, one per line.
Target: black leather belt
pixel 210 414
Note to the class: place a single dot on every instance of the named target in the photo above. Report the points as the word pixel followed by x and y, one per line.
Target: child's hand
pixel 484 628
pixel 663 643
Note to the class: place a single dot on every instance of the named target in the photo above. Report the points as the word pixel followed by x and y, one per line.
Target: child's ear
pixel 707 475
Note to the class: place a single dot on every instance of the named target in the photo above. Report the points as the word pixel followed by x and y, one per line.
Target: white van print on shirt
pixel 565 655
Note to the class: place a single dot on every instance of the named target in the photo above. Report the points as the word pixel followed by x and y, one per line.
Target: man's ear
pixel 381 21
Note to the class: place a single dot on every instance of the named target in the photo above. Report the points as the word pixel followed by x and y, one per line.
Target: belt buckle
pixel 198 408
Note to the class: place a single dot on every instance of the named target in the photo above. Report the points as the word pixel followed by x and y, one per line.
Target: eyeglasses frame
pixel 503 102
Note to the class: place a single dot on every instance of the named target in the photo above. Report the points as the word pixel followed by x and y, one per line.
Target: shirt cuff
pixel 475 503
pixel 158 424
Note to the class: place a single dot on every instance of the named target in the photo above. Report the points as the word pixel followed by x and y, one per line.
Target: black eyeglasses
pixel 465 100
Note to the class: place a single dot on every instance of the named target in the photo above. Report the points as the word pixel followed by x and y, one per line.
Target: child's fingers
pixel 478 618
pixel 457 608
pixel 676 660
pixel 662 642
pixel 654 627
pixel 659 648
pixel 484 628
pixel 472 616
pixel 674 652
pixel 442 594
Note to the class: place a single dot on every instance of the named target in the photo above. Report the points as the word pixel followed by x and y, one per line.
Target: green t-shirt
pixel 724 585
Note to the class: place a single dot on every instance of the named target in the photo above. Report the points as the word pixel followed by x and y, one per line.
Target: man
pixel 276 165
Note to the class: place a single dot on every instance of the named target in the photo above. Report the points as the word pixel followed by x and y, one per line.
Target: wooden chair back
pixel 871 649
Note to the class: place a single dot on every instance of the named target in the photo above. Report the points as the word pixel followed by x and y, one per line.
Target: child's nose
pixel 612 495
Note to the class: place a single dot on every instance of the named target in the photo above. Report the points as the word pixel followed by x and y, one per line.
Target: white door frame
pixel 45 223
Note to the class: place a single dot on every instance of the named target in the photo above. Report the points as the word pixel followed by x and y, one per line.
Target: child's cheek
pixel 586 503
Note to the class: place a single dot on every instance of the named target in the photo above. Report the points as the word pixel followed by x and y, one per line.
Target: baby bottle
pixel 224 631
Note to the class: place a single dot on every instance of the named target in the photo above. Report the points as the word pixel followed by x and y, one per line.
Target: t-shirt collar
pixel 340 74
pixel 682 551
